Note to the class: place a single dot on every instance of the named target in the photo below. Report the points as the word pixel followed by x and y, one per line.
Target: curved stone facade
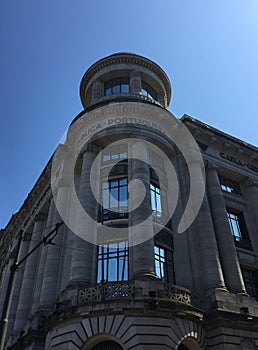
pixel 131 249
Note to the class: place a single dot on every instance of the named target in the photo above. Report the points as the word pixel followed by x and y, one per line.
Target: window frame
pixel 108 255
pixel 241 238
pixel 250 281
pixel 119 211
pixel 156 201
pixel 148 91
pixel 113 153
pixel 229 185
pixel 164 263
pixel 111 86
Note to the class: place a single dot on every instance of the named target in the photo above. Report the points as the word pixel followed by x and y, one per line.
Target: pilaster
pixel 228 254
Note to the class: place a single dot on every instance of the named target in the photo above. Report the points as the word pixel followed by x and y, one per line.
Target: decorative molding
pixel 106 291
pixel 123 58
pixel 250 183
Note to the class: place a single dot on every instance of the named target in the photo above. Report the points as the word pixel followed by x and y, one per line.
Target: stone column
pixel 3 285
pixel 83 254
pixel 252 206
pixel 143 254
pixel 42 261
pixel 97 91
pixel 228 254
pixel 51 275
pixel 18 283
pixel 135 82
pixel 162 100
pixel 204 235
pixel 197 264
pixel 31 264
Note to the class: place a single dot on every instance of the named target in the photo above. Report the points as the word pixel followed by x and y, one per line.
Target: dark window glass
pixel 234 225
pixel 107 345
pixel 114 198
pixel 116 86
pixel 148 91
pixel 229 185
pixel 238 229
pixel 113 262
pixel 164 264
pixel 182 347
pixel 155 202
pixel 114 152
pixel 250 280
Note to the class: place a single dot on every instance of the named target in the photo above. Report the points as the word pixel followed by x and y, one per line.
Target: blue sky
pixel 209 50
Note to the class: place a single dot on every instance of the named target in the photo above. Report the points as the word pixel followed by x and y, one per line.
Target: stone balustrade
pixel 128 290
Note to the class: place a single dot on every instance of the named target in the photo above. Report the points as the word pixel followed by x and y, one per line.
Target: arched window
pixel 182 347
pixel 107 345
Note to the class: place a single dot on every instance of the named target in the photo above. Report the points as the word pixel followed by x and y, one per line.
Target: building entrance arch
pixel 189 344
pixel 107 345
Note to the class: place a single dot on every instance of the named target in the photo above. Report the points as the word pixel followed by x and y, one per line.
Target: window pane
pixel 158 271
pixel 114 156
pixel 105 185
pixel 99 278
pixel 163 264
pixel 124 88
pixel 123 182
pixel 114 183
pixel 158 203
pixel 112 270
pixel 116 89
pixel 123 195
pixel 144 92
pixel 234 225
pixel 229 185
pixel 114 197
pixel 115 262
pixel 125 277
pixel 153 201
pixel 108 92
pixel 105 199
pixel 106 157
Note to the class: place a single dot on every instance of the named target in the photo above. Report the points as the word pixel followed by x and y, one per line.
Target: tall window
pixel 155 201
pixel 115 195
pixel 164 264
pixel 250 280
pixel 238 229
pixel 117 86
pixel 234 221
pixel 114 152
pixel 229 185
pixel 113 262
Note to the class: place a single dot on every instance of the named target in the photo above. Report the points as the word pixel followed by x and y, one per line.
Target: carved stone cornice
pixel 123 58
pixel 250 183
pixel 220 140
pixel 231 197
pixel 19 219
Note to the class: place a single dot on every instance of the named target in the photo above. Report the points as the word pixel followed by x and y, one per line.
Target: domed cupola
pixel 125 77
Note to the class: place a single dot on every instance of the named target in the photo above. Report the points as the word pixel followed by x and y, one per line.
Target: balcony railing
pixel 105 291
pixel 128 290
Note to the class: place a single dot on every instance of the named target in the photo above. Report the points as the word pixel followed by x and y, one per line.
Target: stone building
pixel 174 271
